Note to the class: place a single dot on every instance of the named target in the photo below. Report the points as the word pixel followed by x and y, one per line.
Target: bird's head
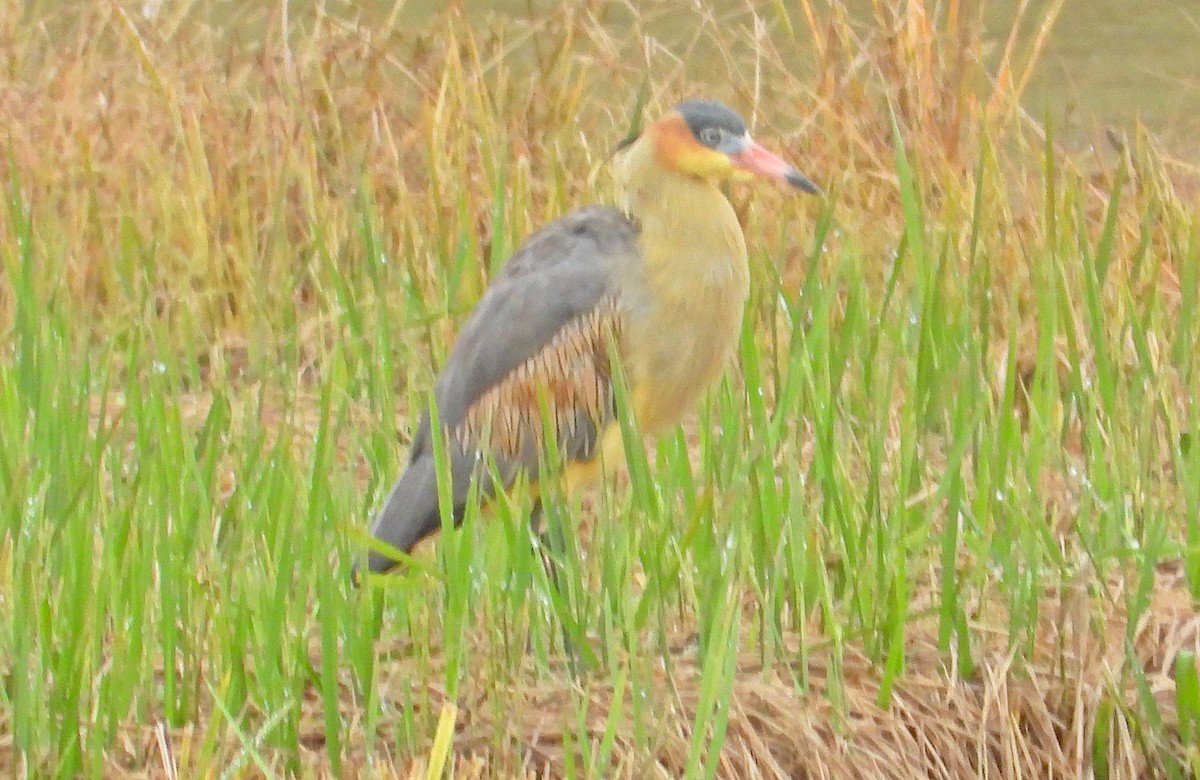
pixel 708 140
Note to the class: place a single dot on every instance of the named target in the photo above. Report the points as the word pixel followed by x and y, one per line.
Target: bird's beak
pixel 753 158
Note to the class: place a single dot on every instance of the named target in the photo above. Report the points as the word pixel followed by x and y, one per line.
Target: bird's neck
pixel 687 224
pixel 684 309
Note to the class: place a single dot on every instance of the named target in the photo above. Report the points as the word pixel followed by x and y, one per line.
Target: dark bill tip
pixel 801 182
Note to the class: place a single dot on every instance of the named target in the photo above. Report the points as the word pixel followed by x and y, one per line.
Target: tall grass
pixel 965 396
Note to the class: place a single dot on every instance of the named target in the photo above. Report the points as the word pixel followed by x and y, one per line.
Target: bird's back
pixel 538 342
pixel 565 272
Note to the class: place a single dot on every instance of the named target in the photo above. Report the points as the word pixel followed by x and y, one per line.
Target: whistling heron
pixel 659 282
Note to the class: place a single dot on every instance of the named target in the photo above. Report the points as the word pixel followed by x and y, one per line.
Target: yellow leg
pixel 581 475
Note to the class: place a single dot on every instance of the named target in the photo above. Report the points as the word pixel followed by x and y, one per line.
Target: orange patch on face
pixel 676 149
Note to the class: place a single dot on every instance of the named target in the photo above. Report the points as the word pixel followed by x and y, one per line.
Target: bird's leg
pixel 551 548
pixel 552 543
pixel 546 546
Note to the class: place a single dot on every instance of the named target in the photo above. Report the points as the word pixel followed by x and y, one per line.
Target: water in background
pixel 1108 63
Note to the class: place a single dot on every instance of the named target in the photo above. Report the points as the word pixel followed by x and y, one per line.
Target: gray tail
pixel 410 514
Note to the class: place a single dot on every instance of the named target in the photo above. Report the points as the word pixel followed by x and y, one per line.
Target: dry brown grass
pixel 1067 712
pixel 217 159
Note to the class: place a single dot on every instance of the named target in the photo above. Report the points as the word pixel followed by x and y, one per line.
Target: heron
pixel 650 292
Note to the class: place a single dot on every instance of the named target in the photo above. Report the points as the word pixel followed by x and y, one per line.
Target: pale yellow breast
pixel 684 316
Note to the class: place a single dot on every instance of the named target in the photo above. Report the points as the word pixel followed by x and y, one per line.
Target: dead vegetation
pixel 1067 711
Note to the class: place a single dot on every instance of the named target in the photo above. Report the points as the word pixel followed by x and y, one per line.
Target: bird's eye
pixel 711 136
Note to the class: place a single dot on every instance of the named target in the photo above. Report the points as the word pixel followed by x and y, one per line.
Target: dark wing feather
pixel 540 332
pixel 561 273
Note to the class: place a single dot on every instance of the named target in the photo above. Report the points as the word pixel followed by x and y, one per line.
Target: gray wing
pixel 541 334
pixel 563 272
